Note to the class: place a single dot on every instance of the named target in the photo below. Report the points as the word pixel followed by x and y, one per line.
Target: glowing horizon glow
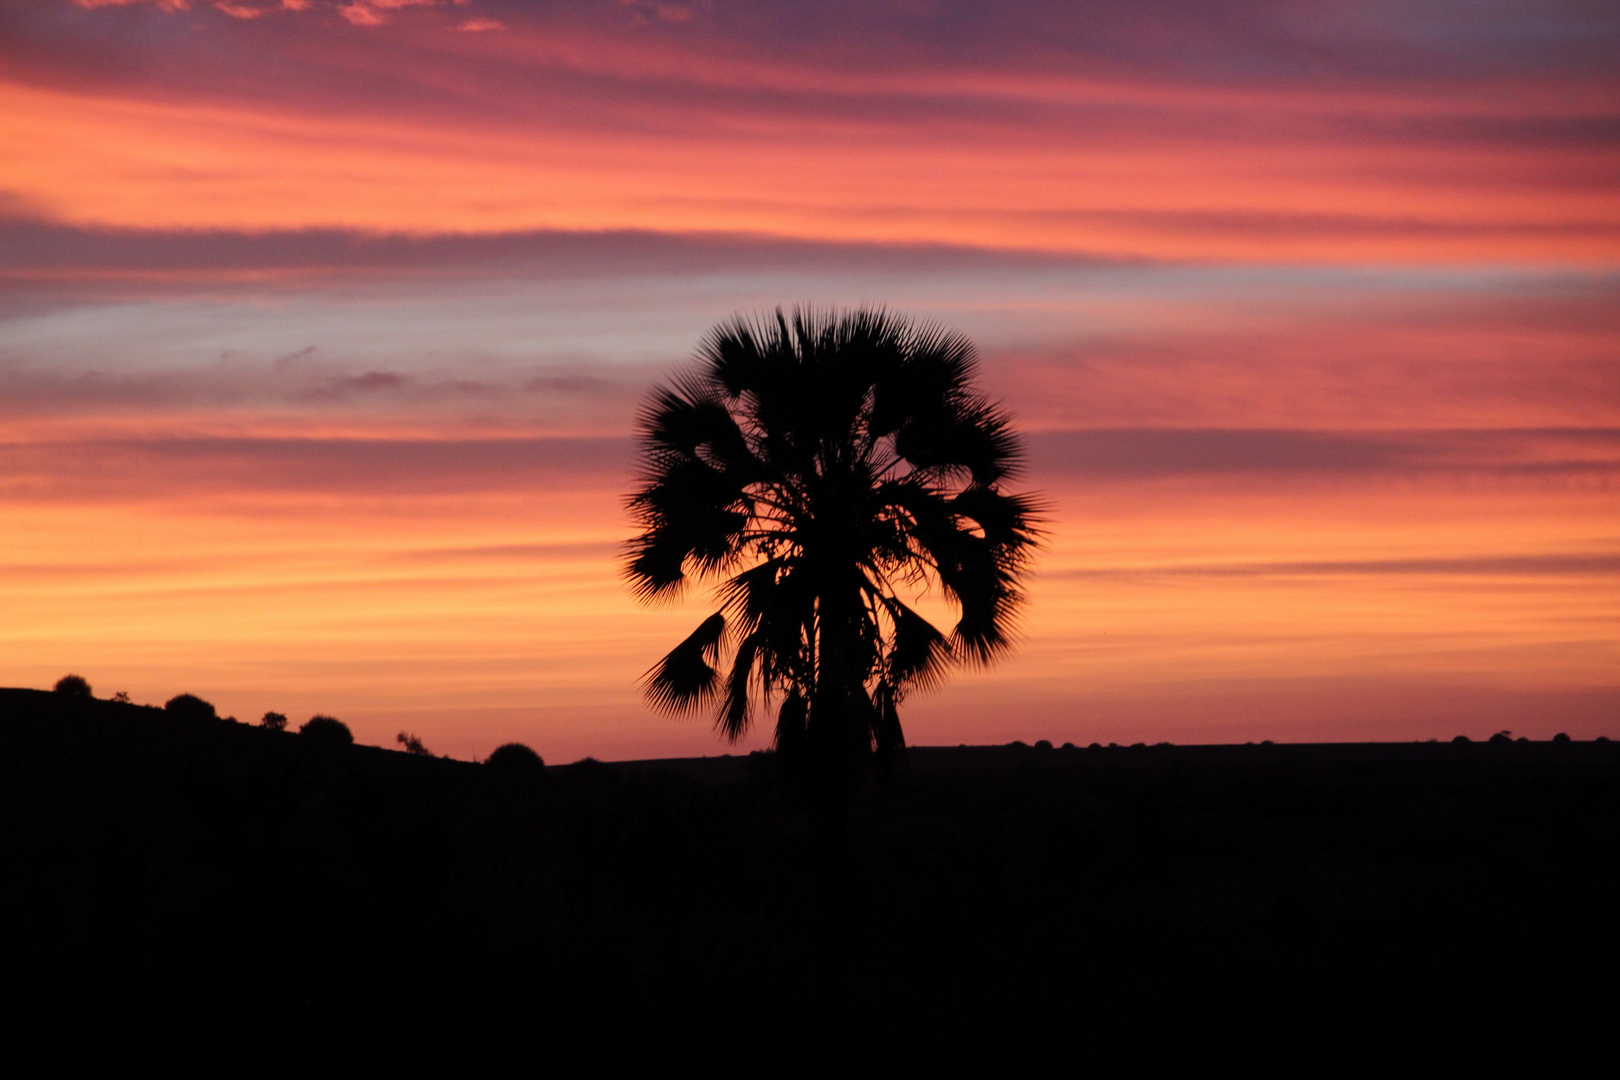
pixel 323 327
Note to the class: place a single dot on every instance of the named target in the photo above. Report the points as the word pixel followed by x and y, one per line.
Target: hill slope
pixel 217 866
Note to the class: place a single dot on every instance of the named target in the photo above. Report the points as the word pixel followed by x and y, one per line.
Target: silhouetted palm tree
pixel 819 470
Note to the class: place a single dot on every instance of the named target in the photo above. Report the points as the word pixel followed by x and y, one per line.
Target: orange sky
pixel 322 331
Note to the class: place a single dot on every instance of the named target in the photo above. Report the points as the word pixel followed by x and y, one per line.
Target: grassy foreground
pixel 1110 894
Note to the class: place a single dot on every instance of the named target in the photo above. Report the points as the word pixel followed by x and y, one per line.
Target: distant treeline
pixel 326 728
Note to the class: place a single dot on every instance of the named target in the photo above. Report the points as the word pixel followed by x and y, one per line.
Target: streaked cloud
pixel 1601 564
pixel 1343 134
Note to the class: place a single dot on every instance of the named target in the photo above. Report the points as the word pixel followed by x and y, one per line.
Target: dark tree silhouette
pixel 190 707
pixel 818 470
pixel 327 729
pixel 515 759
pixel 412 744
pixel 274 721
pixel 73 686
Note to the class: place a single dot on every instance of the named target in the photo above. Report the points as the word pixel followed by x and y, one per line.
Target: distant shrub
pixel 594 772
pixel 1462 739
pixel 189 707
pixel 73 686
pixel 327 729
pixel 412 744
pixel 1018 744
pixel 1561 737
pixel 1068 746
pixel 1502 737
pixel 122 697
pixel 274 721
pixel 515 759
pixel 1043 744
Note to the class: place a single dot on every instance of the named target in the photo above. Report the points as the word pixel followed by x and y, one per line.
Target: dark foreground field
pixel 1151 894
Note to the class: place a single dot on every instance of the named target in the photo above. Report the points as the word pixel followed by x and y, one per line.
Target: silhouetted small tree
pixel 73 686
pixel 274 721
pixel 412 744
pixel 515 759
pixel 328 729
pixel 1561 737
pixel 122 697
pixel 189 707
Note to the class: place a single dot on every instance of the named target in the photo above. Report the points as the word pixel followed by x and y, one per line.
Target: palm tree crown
pixel 817 468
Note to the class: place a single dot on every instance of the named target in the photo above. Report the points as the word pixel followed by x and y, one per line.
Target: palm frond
pixel 735 713
pixel 790 724
pixel 888 739
pixel 918 654
pixel 1009 521
pixel 686 677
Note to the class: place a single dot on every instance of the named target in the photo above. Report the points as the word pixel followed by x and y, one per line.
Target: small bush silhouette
pixel 327 729
pixel 274 721
pixel 1462 739
pixel 412 744
pixel 189 707
pixel 1561 737
pixel 515 759
pixel 73 686
pixel 122 697
pixel 1043 745
pixel 593 772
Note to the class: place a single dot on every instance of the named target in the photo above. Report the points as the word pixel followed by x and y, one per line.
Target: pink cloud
pixel 358 12
pixel 236 9
pixel 361 15
pixel 166 5
pixel 482 25
pixel 662 10
pixel 370 12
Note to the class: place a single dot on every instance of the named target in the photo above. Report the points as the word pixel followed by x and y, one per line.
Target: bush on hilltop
pixel 189 707
pixel 73 686
pixel 515 759
pixel 328 729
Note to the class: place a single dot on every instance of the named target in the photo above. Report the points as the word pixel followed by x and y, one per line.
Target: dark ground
pixel 1344 892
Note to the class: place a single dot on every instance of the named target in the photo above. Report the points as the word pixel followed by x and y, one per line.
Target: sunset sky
pixel 323 326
